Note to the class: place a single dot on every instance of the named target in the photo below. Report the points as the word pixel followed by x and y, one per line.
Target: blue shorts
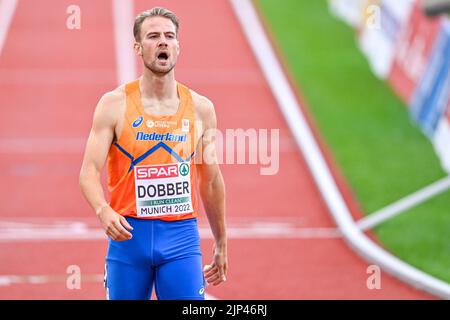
pixel 162 254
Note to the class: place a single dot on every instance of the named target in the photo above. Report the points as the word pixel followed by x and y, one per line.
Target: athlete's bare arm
pixel 212 189
pixel 104 129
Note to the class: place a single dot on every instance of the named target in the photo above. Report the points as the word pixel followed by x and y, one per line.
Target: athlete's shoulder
pixel 110 106
pixel 113 97
pixel 201 101
pixel 112 101
pixel 204 107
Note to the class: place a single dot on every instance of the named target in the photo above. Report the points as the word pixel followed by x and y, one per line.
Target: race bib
pixel 163 189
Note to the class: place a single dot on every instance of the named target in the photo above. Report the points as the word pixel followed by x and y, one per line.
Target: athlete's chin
pixel 160 69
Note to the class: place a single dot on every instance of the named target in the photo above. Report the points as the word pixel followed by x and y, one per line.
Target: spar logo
pixel 157 172
pixel 138 121
pixel 184 169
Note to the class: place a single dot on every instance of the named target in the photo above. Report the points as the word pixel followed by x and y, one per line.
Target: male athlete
pixel 153 132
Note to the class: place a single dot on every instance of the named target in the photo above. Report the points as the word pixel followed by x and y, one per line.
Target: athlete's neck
pixel 158 87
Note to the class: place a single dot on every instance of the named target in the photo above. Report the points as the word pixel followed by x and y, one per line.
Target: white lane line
pixel 123 13
pixel 7 9
pixel 274 232
pixel 42 279
pixel 404 204
pixel 20 231
pixel 41 145
pixel 8 280
pixel 210 297
pixel 290 107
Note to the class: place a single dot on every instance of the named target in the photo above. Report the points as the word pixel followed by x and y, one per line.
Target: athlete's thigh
pixel 129 274
pixel 180 279
pixel 128 282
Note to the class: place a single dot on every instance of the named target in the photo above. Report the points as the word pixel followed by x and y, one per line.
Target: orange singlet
pixel 151 171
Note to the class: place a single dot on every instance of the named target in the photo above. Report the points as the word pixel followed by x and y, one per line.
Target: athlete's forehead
pixel 157 24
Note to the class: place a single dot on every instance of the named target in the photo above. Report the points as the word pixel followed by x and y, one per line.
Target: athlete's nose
pixel 162 42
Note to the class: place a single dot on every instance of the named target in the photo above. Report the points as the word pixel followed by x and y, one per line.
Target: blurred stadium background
pixel 379 91
pixel 371 77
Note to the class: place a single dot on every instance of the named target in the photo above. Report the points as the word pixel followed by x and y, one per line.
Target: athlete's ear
pixel 138 48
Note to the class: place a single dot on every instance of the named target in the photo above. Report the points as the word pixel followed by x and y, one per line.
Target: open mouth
pixel 163 56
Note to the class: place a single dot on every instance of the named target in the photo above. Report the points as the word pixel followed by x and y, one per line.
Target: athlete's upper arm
pixel 206 154
pixel 102 133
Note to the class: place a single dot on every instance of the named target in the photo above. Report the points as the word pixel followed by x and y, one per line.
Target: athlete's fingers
pixel 215 280
pixel 207 267
pixel 122 231
pixel 218 281
pixel 115 233
pixel 211 271
pixel 219 276
pixel 220 261
pixel 212 278
pixel 212 281
pixel 125 223
pixel 112 234
pixel 120 237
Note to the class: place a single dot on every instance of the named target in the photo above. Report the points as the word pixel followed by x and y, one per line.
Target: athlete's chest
pixel 159 108
pixel 152 115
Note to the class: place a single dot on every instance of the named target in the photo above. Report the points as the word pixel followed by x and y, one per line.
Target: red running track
pixel 50 81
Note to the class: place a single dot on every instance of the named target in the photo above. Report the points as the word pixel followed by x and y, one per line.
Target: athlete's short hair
pixel 154 12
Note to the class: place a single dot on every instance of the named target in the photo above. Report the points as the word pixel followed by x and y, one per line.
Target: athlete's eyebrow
pixel 157 33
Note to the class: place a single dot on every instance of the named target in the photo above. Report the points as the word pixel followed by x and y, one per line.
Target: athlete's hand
pixel 114 224
pixel 216 272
